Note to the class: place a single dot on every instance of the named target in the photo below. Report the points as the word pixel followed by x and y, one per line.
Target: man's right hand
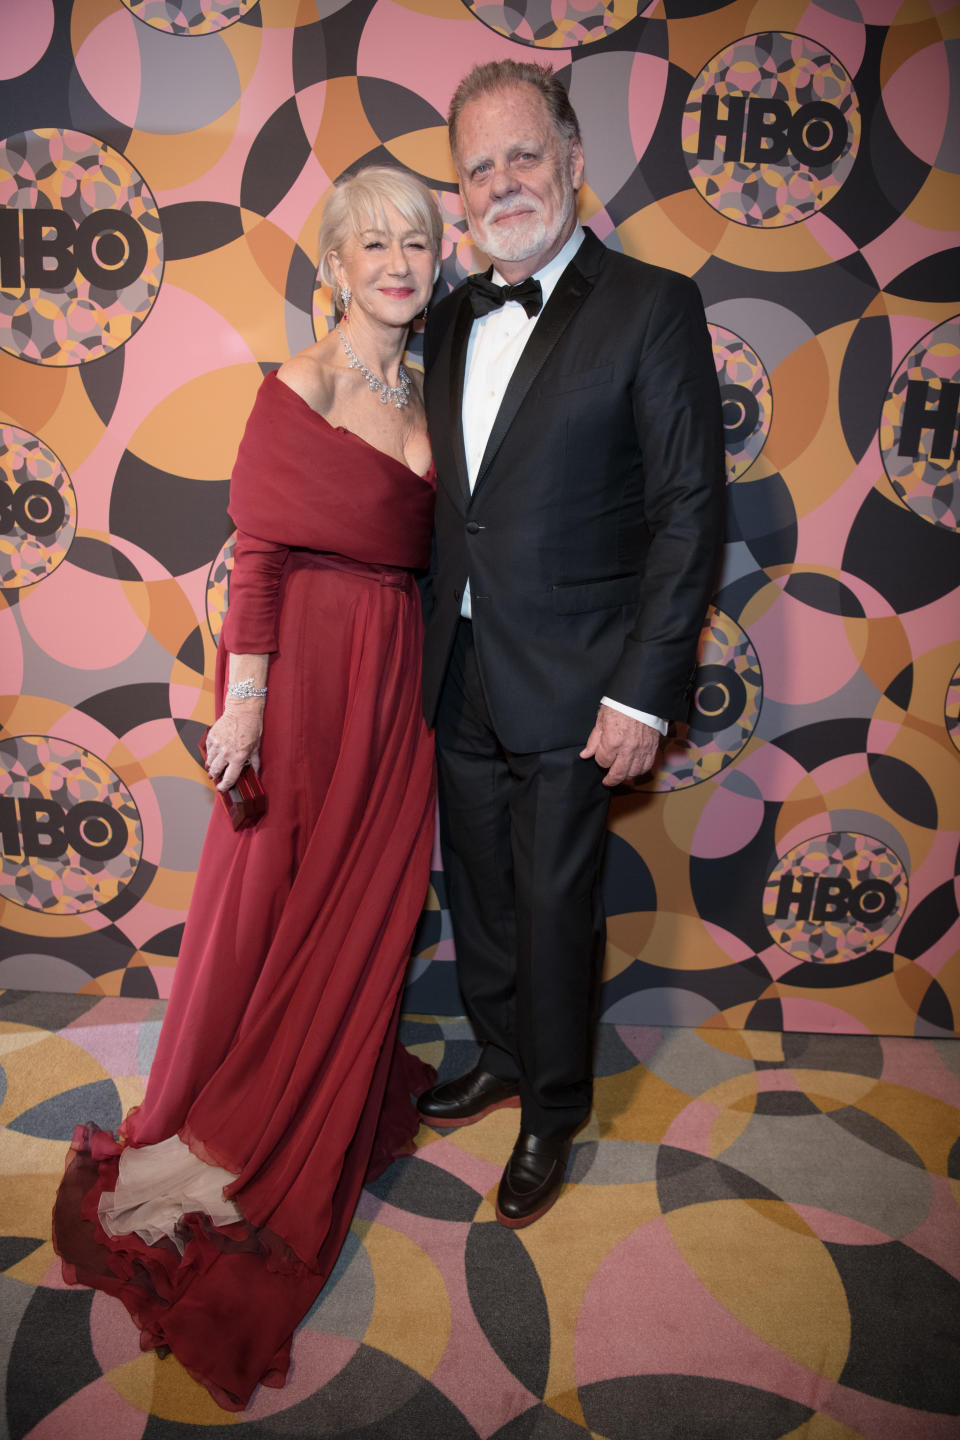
pixel 622 746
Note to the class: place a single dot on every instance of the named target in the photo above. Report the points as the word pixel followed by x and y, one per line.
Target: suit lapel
pixel 458 364
pixel 571 290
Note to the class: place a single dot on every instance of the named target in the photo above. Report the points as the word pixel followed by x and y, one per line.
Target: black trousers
pixel 522 839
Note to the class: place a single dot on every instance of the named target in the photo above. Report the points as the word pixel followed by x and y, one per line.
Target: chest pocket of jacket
pixel 578 380
pixel 579 599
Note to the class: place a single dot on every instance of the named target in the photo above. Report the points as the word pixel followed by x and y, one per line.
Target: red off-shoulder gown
pixel 278 1058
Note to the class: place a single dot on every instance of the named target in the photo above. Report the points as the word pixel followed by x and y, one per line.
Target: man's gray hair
pixel 501 74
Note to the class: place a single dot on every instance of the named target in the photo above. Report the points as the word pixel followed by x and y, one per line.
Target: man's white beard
pixel 526 237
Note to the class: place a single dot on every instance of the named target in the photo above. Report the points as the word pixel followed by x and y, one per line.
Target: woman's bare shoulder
pixel 311 375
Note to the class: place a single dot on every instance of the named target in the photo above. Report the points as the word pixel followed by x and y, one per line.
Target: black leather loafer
pixel 469 1098
pixel 532 1180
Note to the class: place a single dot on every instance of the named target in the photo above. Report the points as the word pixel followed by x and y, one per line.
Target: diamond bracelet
pixel 245 690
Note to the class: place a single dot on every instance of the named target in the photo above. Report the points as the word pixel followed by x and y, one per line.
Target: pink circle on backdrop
pixel 108 63
pixel 12 652
pixel 167 365
pixel 81 620
pixel 26 27
pixel 147 739
pixel 729 943
pixel 648 85
pixel 774 771
pixel 805 653
pixel 842 35
pixel 184 699
pixel 396 39
pixel 917 101
pixel 729 821
pixel 163 979
pixel 838 772
pixel 73 727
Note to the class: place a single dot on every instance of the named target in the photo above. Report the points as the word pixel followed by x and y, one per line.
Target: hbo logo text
pixel 741 413
pixel 32 829
pixel 927 408
pixel 108 247
pixel 35 507
pixel 765 131
pixel 820 898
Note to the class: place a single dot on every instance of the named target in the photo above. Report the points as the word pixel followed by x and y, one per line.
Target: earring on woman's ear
pixel 426 311
pixel 345 298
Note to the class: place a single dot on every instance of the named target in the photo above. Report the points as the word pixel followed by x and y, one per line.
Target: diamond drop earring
pixel 345 298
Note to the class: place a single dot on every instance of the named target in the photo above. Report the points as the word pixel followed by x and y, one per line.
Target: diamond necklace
pixel 397 395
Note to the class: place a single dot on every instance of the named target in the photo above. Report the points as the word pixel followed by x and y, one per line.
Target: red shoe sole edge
pixel 512 1102
pixel 527 1219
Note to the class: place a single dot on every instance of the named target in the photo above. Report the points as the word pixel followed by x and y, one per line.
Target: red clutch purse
pixel 246 800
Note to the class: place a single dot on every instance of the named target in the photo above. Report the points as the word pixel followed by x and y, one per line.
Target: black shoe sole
pixel 522 1220
pixel 453 1122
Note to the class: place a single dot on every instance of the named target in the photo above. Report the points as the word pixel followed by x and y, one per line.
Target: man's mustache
pixel 511 207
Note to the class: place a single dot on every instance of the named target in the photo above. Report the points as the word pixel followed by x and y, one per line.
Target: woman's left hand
pixel 233 741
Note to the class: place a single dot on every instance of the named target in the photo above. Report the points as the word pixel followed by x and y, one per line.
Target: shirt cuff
pixel 653 721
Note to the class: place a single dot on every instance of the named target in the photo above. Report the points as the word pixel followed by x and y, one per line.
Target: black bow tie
pixel 485 296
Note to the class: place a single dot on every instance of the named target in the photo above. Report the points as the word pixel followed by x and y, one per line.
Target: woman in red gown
pixel 279 1083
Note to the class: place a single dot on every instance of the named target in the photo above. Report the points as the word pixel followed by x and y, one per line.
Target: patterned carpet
pixel 760 1240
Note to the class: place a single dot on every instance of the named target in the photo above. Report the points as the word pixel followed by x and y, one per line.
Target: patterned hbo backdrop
pixel 793 863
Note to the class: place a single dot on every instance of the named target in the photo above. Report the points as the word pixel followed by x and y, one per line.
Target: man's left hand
pixel 622 746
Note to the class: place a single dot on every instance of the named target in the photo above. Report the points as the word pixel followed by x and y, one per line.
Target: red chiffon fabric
pixel 278 1059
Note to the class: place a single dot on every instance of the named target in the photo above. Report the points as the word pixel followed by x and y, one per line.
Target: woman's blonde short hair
pixel 357 203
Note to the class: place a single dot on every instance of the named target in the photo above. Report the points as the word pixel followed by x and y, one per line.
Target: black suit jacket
pixel 593 532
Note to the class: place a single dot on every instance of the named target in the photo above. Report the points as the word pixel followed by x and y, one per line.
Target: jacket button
pixel 473 528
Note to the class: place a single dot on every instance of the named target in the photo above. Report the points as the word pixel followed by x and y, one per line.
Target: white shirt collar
pixel 554 268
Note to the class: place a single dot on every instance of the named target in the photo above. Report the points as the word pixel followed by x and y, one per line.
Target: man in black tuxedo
pixel 576 429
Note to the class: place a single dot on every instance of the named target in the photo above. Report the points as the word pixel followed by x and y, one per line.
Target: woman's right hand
pixel 233 741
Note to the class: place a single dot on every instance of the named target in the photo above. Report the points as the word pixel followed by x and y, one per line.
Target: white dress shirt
pixel 495 345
